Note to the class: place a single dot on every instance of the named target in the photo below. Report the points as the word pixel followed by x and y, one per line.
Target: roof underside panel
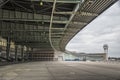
pixel 26 22
pixel 88 11
pixel 52 24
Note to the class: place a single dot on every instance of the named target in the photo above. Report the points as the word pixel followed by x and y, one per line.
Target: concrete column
pixel 22 53
pixel 31 54
pixel 58 56
pixel 8 48
pixel 28 55
pixel 16 51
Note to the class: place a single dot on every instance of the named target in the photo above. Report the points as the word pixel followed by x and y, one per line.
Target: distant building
pixel 85 56
pixel 96 56
pixel 114 58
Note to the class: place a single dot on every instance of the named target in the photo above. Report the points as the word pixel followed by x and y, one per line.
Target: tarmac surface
pixel 61 71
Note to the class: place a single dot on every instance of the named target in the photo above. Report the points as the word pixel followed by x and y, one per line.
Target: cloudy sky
pixel 105 29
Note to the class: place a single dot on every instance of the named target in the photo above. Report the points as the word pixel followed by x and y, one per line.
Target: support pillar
pixel 16 51
pixel 22 53
pixel 8 48
pixel 29 54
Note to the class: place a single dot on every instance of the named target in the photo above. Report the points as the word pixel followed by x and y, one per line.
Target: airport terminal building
pixel 69 56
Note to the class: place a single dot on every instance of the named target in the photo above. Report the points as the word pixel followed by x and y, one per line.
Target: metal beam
pixel 71 17
pixel 51 23
pixel 25 36
pixel 60 1
pixel 57 28
pixel 28 37
pixel 56 36
pixel 79 23
pixel 25 16
pixel 60 22
pixel 78 13
pixel 24 30
pixel 3 3
pixel 28 41
pixel 56 40
pixel 64 13
pixel 87 14
pixel 37 45
pixel 58 33
pixel 37 20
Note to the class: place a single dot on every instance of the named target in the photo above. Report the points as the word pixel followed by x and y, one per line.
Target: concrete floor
pixel 61 71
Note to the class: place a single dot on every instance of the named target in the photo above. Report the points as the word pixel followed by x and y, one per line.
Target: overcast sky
pixel 105 29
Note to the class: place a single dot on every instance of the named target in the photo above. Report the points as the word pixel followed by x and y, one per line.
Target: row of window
pixel 3 43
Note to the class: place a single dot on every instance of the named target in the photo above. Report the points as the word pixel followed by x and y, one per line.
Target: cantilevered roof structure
pixel 48 24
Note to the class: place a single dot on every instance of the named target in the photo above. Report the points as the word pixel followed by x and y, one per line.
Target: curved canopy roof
pixel 49 24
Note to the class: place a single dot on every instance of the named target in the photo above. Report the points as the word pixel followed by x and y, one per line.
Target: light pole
pixel 105 47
